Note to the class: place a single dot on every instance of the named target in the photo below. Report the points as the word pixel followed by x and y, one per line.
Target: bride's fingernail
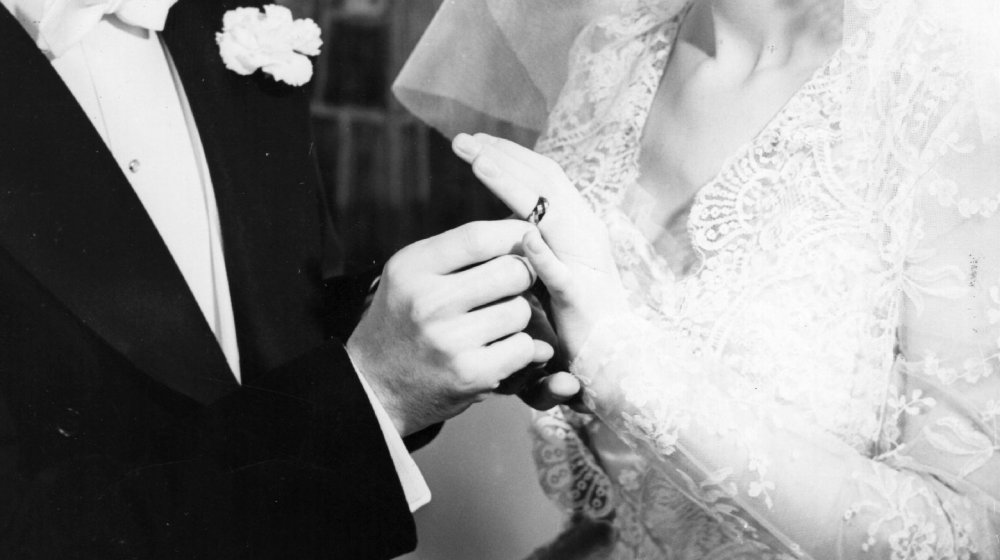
pixel 486 168
pixel 466 146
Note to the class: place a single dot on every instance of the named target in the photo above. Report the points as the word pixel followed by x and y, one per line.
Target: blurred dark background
pixel 391 180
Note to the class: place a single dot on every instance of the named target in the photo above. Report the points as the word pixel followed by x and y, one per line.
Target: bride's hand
pixel 570 250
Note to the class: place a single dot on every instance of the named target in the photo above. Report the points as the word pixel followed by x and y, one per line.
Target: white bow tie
pixel 65 22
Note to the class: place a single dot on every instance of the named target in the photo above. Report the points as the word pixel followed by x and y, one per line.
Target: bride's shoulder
pixel 925 93
pixel 926 59
pixel 923 32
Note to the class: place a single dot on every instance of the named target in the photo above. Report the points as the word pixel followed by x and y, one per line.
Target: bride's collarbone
pixel 705 113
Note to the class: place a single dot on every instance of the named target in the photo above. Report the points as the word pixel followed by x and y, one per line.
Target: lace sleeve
pixel 759 468
pixel 929 485
pixel 572 477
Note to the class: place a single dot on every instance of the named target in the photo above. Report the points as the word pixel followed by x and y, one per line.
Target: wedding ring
pixel 538 212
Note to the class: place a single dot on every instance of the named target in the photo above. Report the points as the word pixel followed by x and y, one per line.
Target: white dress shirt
pixel 124 80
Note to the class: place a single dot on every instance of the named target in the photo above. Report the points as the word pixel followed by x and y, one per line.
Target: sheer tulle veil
pixel 486 62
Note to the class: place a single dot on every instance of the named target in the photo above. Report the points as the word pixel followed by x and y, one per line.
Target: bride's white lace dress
pixel 811 362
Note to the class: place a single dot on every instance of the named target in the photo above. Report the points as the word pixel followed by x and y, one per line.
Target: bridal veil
pixel 481 62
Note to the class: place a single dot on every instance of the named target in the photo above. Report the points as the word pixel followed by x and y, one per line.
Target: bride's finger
pixel 548 170
pixel 519 152
pixel 535 170
pixel 522 170
pixel 519 186
pixel 472 148
pixel 518 193
pixel 551 271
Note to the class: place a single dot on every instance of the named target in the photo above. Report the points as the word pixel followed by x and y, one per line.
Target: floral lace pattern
pixel 824 381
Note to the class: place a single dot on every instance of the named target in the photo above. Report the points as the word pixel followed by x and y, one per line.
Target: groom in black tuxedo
pixel 123 430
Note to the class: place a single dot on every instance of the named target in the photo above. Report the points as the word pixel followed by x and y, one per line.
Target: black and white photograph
pixel 500 279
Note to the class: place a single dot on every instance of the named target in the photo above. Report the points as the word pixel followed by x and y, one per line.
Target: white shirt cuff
pixel 418 494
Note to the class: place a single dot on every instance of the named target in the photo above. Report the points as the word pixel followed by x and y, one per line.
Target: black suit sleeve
pixel 292 466
pixel 346 302
pixel 312 417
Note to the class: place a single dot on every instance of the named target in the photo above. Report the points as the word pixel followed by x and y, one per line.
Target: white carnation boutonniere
pixel 272 41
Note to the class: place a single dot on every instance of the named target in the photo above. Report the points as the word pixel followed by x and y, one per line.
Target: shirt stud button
pixel 134 165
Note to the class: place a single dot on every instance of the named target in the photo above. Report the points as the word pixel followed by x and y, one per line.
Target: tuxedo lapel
pixel 258 143
pixel 71 219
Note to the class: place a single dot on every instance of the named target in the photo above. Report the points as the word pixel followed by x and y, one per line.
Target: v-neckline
pixel 687 207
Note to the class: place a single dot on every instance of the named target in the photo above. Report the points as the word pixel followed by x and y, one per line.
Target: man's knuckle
pixel 517 269
pixel 509 273
pixel 520 312
pixel 392 269
pixel 522 350
pixel 433 337
pixel 423 310
pixel 409 291
pixel 473 239
pixel 522 345
pixel 466 371
pixel 466 384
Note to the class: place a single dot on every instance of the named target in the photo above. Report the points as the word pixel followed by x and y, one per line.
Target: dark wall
pixel 390 179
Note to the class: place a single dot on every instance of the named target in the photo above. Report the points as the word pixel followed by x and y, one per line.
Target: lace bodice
pixel 820 375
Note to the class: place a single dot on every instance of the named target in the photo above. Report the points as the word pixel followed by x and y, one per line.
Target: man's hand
pixel 542 386
pixel 445 325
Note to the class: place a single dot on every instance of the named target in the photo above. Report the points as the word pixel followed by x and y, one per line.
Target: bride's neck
pixel 764 33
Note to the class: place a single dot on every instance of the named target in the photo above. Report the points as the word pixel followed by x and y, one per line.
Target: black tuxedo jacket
pixel 123 433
